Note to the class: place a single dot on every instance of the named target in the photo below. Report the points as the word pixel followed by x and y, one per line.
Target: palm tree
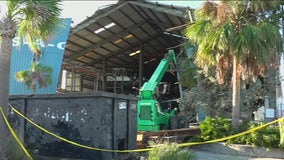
pixel 238 36
pixel 33 20
pixel 38 74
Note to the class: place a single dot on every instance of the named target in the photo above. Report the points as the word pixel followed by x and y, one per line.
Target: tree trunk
pixel 5 56
pixel 236 80
pixel 7 34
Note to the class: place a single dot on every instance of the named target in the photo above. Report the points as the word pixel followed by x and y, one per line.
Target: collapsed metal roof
pixel 107 39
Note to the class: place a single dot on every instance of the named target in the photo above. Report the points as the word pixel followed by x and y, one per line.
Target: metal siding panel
pixel 53 51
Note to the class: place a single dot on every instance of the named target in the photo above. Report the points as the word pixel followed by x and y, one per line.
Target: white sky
pixel 79 10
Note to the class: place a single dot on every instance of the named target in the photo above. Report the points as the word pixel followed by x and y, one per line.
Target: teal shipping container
pixel 52 56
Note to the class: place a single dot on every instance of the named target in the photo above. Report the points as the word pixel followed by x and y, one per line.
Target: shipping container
pixel 102 120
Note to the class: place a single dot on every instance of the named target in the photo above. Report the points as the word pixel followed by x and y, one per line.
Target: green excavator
pixel 150 114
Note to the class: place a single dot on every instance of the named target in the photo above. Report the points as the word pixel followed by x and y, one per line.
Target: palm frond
pixel 43 69
pixel 260 6
pixel 271 35
pixel 12 6
pixel 260 53
pixel 207 11
pixel 24 77
pixel 37 74
pixel 37 20
pixel 197 31
pixel 188 73
pixel 254 38
pixel 212 41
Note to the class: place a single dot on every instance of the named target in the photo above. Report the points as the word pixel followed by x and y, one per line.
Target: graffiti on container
pixel 64 116
pixel 122 105
pixel 56 113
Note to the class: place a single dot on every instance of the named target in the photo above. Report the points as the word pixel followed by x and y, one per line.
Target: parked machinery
pixel 151 116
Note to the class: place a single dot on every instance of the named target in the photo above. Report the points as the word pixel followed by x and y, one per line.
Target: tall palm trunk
pixel 222 12
pixel 8 33
pixel 34 73
pixel 236 82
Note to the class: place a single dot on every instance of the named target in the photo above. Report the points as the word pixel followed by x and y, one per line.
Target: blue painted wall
pixel 53 51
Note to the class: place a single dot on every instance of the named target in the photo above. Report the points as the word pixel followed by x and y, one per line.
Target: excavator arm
pixel 148 89
pixel 150 116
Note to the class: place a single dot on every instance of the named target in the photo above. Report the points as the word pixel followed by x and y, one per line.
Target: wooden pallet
pixel 175 135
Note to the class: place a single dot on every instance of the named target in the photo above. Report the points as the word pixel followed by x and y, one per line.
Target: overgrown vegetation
pixel 217 127
pixel 214 128
pixel 207 95
pixel 170 151
pixel 222 32
pixel 268 137
pixel 215 99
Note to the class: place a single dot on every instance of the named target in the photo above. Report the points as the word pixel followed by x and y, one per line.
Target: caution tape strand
pixel 15 135
pixel 145 149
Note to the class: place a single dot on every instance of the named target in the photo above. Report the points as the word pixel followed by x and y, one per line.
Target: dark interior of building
pixel 118 47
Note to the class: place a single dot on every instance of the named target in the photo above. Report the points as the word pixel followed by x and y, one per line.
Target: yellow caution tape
pixel 281 128
pixel 14 134
pixel 146 149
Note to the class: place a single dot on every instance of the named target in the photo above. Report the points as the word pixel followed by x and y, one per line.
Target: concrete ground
pixel 216 151
pixel 205 155
pixel 223 151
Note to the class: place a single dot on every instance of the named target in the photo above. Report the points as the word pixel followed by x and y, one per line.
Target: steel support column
pixel 105 74
pixel 141 66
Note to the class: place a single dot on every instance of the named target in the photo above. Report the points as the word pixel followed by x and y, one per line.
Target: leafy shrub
pixel 218 127
pixel 169 151
pixel 214 128
pixel 268 137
